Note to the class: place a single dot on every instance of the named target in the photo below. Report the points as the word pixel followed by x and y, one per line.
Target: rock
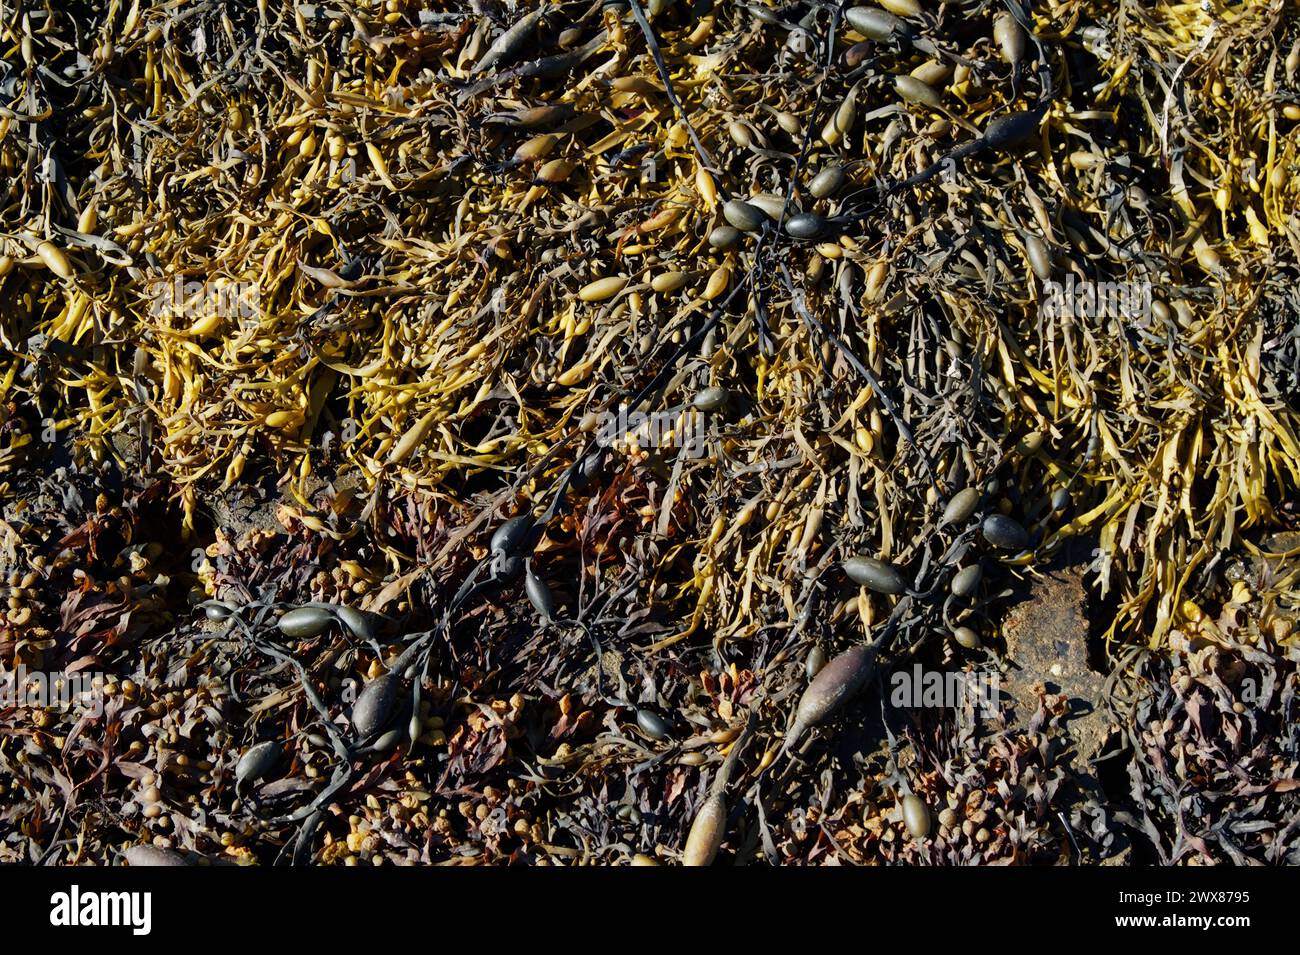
pixel 1047 641
pixel 144 856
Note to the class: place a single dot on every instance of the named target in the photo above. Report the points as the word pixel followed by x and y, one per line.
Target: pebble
pixel 145 856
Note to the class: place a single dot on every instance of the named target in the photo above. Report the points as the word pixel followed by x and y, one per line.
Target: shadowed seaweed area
pixel 576 433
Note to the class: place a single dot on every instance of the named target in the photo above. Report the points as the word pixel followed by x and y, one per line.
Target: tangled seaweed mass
pixel 542 433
